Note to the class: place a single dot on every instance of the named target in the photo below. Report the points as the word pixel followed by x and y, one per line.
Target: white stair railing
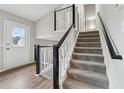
pixel 44 61
pixel 65 53
pixel 62 51
pixel 60 60
pixel 63 19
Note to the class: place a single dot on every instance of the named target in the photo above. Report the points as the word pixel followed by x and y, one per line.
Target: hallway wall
pixel 5 15
pixel 80 8
pixel 44 28
pixel 90 16
pixel 114 20
pixel 46 42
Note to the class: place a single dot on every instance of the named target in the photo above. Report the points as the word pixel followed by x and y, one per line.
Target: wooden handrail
pixel 64 37
pixel 109 42
pixel 63 8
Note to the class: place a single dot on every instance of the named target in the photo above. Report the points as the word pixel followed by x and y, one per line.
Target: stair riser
pixel 100 69
pixel 88 40
pixel 91 51
pixel 77 87
pixel 88 45
pixel 88 58
pixel 94 32
pixel 75 84
pixel 96 81
pixel 87 36
pixel 66 87
pixel 88 33
pixel 81 67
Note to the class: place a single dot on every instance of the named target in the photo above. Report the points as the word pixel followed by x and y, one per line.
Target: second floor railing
pixel 63 50
pixel 63 18
pixel 44 61
pixel 59 61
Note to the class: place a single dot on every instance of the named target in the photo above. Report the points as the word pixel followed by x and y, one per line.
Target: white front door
pixel 16 44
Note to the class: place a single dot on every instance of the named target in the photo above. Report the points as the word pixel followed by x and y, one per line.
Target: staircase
pixel 87 69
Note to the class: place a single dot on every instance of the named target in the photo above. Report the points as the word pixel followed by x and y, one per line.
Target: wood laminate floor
pixel 24 78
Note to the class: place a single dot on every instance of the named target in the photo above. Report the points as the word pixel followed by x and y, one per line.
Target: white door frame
pixel 4 45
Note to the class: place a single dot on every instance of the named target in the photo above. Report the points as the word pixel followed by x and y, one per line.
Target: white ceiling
pixel 29 11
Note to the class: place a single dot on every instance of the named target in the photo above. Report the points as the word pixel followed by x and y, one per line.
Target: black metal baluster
pixel 37 55
pixel 55 67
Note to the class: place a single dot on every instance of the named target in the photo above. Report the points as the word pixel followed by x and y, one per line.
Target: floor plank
pixel 24 78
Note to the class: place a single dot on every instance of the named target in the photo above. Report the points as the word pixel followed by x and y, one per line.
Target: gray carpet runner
pixel 87 69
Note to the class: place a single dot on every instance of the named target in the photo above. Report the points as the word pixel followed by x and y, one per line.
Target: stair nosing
pixel 89 35
pixel 89 38
pixel 99 48
pixel 87 67
pixel 90 73
pixel 88 54
pixel 88 42
pixel 87 62
pixel 81 83
pixel 89 31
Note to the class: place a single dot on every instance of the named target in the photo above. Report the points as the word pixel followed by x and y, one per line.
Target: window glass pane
pixel 18 37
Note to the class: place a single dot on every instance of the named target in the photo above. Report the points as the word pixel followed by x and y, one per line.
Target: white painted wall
pixel 5 15
pixel 44 27
pixel 81 17
pixel 29 11
pixel 46 42
pixel 41 29
pixel 114 20
pixel 90 15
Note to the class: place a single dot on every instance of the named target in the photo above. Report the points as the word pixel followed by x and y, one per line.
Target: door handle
pixel 8 46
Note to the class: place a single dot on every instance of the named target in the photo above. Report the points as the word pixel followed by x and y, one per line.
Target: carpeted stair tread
pixel 89 65
pixel 88 57
pixel 87 69
pixel 92 50
pixel 88 35
pixel 88 40
pixel 89 32
pixel 72 84
pixel 88 44
pixel 91 77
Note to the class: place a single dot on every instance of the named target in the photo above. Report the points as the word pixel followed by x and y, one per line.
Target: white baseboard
pixel 37 75
pixel 2 70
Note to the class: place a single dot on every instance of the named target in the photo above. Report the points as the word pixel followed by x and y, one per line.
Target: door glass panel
pixel 18 37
